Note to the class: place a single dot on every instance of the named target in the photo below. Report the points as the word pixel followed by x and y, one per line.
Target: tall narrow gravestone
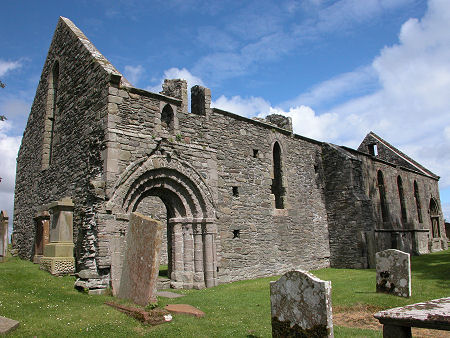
pixel 393 272
pixel 42 237
pixel 301 306
pixel 58 253
pixel 140 266
pixel 3 235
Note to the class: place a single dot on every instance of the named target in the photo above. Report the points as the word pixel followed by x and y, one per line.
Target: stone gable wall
pixel 356 226
pixel 428 188
pixel 78 138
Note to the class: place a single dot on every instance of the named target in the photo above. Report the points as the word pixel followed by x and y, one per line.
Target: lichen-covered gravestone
pixel 140 267
pixel 393 272
pixel 301 306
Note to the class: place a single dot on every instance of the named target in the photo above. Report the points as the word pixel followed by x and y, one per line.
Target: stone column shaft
pixel 209 260
pixel 199 278
pixel 188 256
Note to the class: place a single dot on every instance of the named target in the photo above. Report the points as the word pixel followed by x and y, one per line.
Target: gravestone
pixel 301 306
pixel 393 272
pixel 3 235
pixel 58 253
pixel 140 266
pixel 42 237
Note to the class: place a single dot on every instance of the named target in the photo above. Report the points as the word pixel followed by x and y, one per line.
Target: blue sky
pixel 338 68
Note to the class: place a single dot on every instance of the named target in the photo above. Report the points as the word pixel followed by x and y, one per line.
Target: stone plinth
pixel 301 306
pixel 393 272
pixel 58 253
pixel 140 267
pixel 3 234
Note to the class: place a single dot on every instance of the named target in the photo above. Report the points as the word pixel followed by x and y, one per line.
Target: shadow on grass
pixel 163 271
pixel 433 266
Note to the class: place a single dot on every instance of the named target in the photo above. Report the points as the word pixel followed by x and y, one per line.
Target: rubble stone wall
pixel 80 116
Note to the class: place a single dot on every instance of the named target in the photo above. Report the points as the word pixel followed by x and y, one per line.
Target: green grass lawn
pixel 49 306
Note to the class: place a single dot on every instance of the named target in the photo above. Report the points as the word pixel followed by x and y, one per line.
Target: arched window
pixel 417 198
pixel 382 192
pixel 49 123
pixel 434 215
pixel 401 197
pixel 167 117
pixel 277 181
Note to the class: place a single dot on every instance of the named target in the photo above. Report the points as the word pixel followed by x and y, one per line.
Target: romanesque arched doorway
pixel 191 228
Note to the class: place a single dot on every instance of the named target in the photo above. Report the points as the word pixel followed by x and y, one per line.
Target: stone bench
pixel 397 322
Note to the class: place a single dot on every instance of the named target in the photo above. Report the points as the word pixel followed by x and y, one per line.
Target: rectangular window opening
pixel 236 233
pixel 255 153
pixel 235 192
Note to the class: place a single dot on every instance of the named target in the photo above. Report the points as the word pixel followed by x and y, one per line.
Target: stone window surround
pixel 158 123
pixel 50 114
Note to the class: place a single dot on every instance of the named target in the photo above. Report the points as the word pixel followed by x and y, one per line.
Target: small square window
pixel 236 233
pixel 255 153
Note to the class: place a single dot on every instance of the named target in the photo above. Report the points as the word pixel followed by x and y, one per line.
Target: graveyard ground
pixel 49 306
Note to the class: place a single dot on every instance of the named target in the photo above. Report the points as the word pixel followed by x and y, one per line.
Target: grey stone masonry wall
pixel 243 198
pixel 79 127
pixel 350 211
pixel 269 240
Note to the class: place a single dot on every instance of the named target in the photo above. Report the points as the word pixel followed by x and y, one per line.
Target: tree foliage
pixel 2 117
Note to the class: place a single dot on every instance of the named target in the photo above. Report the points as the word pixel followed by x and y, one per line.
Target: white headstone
pixel 393 272
pixel 301 306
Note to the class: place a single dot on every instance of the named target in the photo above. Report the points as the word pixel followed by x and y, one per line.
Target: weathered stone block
pixel 3 233
pixel 394 272
pixel 141 261
pixel 301 306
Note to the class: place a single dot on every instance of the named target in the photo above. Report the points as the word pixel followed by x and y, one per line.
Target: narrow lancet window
pixel 401 197
pixel 49 123
pixel 277 181
pixel 167 117
pixel 434 215
pixel 382 192
pixel 417 198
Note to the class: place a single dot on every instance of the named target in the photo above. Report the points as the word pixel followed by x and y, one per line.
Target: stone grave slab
pixel 301 306
pixel 168 294
pixel 7 325
pixel 393 272
pixel 185 309
pixel 140 267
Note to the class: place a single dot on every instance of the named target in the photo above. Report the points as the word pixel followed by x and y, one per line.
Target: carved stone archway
pixel 191 216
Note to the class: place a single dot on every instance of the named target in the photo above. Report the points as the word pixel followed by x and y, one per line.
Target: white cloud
pixel 305 122
pixel 352 83
pixel 411 108
pixel 176 73
pixel 248 107
pixel 6 66
pixel 133 73
pixel 9 147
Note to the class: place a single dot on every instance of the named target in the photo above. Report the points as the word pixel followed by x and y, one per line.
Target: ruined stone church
pixel 241 198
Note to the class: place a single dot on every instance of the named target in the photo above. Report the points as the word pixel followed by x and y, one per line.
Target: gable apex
pixel 103 61
pixel 389 153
